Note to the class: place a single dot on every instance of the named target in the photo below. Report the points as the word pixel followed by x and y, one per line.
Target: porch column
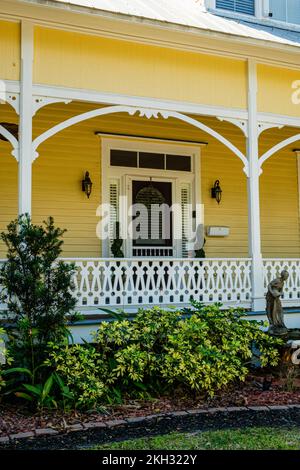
pixel 258 300
pixel 25 130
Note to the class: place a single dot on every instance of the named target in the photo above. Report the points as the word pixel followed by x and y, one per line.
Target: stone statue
pixel 274 306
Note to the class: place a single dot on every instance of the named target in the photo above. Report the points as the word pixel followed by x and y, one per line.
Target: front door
pixel 152 218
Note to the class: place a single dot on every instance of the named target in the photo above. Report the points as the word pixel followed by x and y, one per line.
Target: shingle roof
pixel 190 13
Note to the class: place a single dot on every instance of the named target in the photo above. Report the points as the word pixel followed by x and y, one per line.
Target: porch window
pixel 240 6
pixel 285 10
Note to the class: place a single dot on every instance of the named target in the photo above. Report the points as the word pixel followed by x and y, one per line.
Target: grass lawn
pixel 238 439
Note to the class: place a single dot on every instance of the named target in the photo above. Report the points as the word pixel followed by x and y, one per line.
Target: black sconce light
pixel 87 184
pixel 216 192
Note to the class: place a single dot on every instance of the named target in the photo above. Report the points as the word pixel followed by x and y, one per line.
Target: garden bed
pixel 15 419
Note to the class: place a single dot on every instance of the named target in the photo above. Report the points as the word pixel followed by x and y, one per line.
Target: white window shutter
pixel 185 200
pixel 114 194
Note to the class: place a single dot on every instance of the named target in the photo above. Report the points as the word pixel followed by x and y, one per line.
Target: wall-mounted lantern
pixel 87 184
pixel 216 192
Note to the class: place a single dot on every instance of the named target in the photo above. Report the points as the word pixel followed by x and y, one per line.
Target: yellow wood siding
pixel 218 163
pixel 279 202
pixel 8 177
pixel 275 90
pixel 9 50
pixel 57 176
pixel 90 62
pixel 8 190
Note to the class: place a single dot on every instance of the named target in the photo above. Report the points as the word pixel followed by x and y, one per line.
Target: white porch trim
pixel 25 132
pixel 149 113
pixel 125 175
pixel 278 147
pixel 14 142
pixel 258 301
pixel 94 96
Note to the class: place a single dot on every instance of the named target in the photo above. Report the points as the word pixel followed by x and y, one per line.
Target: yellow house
pixel 164 100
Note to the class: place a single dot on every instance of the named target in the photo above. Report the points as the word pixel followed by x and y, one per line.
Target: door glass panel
pixel 153 219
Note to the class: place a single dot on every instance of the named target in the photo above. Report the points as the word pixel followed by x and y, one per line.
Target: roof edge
pixel 164 25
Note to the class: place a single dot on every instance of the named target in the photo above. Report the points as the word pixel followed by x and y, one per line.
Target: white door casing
pixel 123 177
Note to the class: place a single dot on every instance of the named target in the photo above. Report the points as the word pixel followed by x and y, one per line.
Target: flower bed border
pixel 92 433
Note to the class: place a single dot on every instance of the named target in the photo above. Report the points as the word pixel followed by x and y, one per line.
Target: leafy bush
pixel 204 352
pixel 38 394
pixel 38 289
pixel 4 359
pixel 158 351
pixel 135 350
pixel 213 348
pixel 79 372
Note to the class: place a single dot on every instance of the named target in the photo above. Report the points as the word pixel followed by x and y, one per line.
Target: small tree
pixel 37 289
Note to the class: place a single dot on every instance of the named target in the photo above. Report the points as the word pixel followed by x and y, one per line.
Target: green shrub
pixel 4 359
pixel 157 352
pixel 80 374
pixel 37 289
pixel 213 348
pixel 204 352
pixel 135 349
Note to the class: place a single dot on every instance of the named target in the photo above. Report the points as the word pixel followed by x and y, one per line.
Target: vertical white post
pixel 258 300
pixel 25 144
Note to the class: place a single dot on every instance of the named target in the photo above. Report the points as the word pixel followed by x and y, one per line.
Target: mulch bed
pixel 16 419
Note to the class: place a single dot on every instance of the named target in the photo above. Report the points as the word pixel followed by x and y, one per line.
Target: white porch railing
pixel 140 281
pixel 273 268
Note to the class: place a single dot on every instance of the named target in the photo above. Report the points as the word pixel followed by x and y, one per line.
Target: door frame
pixel 126 174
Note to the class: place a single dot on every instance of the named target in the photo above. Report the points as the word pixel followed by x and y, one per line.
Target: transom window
pixel 158 161
pixel 240 6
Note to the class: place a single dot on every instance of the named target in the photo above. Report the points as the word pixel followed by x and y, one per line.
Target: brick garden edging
pixel 91 433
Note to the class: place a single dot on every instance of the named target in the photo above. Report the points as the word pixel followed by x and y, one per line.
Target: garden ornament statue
pixel 274 306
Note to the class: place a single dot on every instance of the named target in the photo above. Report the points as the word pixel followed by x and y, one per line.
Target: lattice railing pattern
pixel 273 268
pixel 138 282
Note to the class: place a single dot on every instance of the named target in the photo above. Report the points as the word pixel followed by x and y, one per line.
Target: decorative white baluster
pixel 141 282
